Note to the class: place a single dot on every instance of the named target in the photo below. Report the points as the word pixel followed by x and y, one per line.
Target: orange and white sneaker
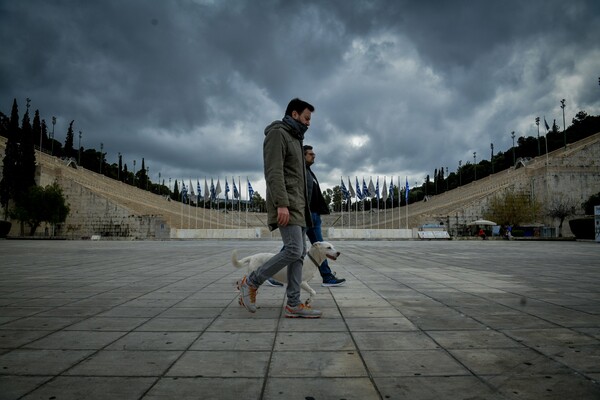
pixel 301 311
pixel 247 295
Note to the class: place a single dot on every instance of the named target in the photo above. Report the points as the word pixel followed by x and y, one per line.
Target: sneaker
pixel 273 282
pixel 301 311
pixel 333 281
pixel 247 295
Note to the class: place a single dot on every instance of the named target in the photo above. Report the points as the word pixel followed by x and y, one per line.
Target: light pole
pixel 512 135
pixel 459 173
pixel 52 137
pixel 133 172
pixel 44 123
pixel 537 122
pixel 147 176
pixel 475 165
pixel 562 105
pixel 79 160
pixel 159 185
pixel 447 180
pixel 492 158
pixel 101 155
pixel 119 168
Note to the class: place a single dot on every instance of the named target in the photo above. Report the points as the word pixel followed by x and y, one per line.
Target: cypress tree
pixel 26 160
pixel 36 129
pixel 11 154
pixel 68 150
pixel 45 139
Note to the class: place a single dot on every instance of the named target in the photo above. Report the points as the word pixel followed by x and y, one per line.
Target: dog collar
pixel 313 260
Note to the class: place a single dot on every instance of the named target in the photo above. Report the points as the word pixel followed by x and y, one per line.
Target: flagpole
pixel 181 213
pixel 384 203
pixel 399 204
pixel 392 200
pixel 355 205
pixel 377 196
pixel 406 202
pixel 342 202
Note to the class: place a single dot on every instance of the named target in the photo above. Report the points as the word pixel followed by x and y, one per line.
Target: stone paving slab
pixel 416 320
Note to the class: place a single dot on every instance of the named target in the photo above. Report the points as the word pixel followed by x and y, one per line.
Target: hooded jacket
pixel 285 175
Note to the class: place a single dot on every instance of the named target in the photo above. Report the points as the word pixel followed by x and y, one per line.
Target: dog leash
pixel 313 260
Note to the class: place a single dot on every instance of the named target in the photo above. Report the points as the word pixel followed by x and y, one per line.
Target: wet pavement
pixel 416 320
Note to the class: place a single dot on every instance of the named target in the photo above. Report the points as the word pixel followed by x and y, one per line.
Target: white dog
pixel 315 256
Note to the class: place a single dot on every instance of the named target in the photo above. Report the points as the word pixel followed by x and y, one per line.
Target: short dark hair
pixel 307 147
pixel 299 106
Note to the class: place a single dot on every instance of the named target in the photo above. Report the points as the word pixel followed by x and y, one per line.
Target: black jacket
pixel 317 202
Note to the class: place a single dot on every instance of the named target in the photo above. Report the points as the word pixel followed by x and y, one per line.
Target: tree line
pixel 20 198
pixel 583 125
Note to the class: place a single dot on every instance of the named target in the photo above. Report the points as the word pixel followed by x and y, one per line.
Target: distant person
pixel 481 233
pixel 287 208
pixel 318 207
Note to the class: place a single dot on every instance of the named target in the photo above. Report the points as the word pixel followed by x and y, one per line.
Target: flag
pixel 218 189
pixel 384 191
pixel 212 189
pixel 352 193
pixel 377 189
pixel 192 194
pixel 236 194
pixel 250 191
pixel 365 189
pixel 371 191
pixel 199 190
pixel 345 192
pixel 359 195
pixel 206 191
pixel 545 123
pixel 183 192
pixel 226 189
pixel 406 193
pixel 392 188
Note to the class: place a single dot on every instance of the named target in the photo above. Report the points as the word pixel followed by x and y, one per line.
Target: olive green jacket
pixel 285 175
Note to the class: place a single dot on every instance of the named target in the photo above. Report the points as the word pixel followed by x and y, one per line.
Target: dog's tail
pixel 234 260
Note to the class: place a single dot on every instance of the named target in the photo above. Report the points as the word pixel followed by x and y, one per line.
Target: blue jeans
pixel 315 235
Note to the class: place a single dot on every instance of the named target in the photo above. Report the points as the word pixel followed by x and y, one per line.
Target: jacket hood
pixel 277 125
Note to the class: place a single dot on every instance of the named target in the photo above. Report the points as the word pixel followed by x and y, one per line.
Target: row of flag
pixel 211 194
pixel 370 190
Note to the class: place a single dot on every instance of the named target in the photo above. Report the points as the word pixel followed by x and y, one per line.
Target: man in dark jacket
pixel 287 207
pixel 318 207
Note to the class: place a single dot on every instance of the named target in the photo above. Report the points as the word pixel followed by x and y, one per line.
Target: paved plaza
pixel 416 320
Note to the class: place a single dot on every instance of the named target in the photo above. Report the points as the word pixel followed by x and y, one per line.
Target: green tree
pixel 513 208
pixel 26 158
pixel 68 149
pixel 588 206
pixel 41 205
pixel 561 208
pixel 258 203
pixel 9 164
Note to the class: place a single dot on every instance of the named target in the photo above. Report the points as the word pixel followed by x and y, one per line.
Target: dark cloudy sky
pixel 400 87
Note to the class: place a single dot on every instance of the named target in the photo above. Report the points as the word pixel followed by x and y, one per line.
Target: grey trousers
pixel 291 256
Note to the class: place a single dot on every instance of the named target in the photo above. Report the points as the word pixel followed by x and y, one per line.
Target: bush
pixel 582 228
pixel 518 233
pixel 4 228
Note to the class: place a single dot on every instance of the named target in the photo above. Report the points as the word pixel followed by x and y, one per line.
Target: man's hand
pixel 283 216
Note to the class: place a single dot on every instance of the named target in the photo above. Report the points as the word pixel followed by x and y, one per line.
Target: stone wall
pixel 104 207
